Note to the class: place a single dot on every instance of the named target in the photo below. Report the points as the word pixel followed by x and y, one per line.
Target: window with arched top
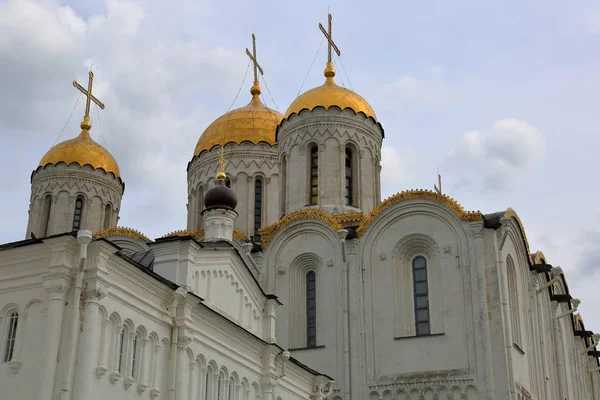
pixel 200 207
pixel 122 345
pixel 283 184
pixel 314 175
pixel 258 197
pixel 349 177
pixel 513 301
pixel 135 356
pixel 11 336
pixel 311 309
pixel 228 182
pixel 46 206
pixel 107 216
pixel 231 390
pixel 421 296
pixel 219 387
pixel 78 214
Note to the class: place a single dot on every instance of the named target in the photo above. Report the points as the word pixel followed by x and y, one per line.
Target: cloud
pixel 397 170
pixel 410 92
pixel 149 78
pixel 588 261
pixel 497 157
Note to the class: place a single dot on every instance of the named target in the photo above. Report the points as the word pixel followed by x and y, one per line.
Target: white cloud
pixel 397 170
pixel 494 158
pixel 409 91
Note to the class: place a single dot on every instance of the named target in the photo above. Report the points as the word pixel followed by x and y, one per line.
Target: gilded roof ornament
pixel 329 94
pixel 221 176
pixel 444 200
pixel 121 231
pixel 268 232
pixel 82 149
pixel 237 234
pixel 253 123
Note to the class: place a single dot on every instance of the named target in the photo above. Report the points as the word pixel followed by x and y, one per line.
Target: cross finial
pixel 255 90
pixel 438 187
pixel 329 71
pixel 86 124
pixel 221 175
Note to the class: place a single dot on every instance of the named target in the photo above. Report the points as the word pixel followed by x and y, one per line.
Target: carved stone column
pixel 180 380
pixel 89 341
pixel 142 382
pixel 104 348
pixel 57 291
pixel 156 372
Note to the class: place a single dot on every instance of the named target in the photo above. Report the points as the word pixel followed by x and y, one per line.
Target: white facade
pixel 140 335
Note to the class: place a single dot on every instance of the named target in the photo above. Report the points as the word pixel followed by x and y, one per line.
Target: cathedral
pixel 293 279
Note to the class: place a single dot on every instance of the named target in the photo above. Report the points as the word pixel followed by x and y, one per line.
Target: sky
pixel 501 98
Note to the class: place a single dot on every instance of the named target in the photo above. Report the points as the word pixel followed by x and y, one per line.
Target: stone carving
pixel 329 263
pixel 383 256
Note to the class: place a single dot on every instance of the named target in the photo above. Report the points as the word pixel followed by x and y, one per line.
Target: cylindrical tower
pixel 330 151
pixel 76 186
pixel 247 136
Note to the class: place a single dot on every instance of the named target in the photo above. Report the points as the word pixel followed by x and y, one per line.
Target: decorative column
pixel 180 379
pixel 192 385
pixel 57 290
pixel 87 357
pixel 156 371
pixel 270 319
pixel 142 382
pixel 104 348
pixel 128 364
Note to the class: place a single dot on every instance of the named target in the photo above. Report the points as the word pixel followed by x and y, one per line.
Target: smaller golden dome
pixel 254 123
pixel 329 94
pixel 82 150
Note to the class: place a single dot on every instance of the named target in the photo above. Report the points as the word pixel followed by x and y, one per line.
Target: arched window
pixel 314 175
pixel 11 337
pixel 231 389
pixel 283 184
pixel 107 216
pixel 258 189
pixel 311 309
pixel 219 387
pixel 513 301
pixel 200 207
pixel 121 350
pixel 78 213
pixel 134 356
pixel 207 383
pixel 46 215
pixel 228 182
pixel 421 296
pixel 349 177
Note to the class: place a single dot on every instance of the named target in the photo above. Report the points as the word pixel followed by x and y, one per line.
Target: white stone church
pixel 293 279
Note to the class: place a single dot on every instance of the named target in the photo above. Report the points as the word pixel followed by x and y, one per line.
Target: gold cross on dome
pixel 329 37
pixel 88 94
pixel 252 56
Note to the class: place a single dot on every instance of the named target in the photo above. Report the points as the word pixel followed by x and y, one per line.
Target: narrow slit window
pixel 349 177
pixel 314 175
pixel 219 387
pixel 46 215
pixel 121 350
pixel 228 182
pixel 311 309
pixel 231 389
pixel 421 296
pixel 107 216
pixel 258 189
pixel 11 338
pixel 134 355
pixel 78 214
pixel 206 384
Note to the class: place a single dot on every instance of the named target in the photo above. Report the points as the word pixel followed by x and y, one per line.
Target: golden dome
pixel 82 150
pixel 254 122
pixel 329 94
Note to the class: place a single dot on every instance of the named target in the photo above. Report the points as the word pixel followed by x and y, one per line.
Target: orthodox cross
pixel 438 187
pixel 329 37
pixel 252 56
pixel 88 94
pixel 222 160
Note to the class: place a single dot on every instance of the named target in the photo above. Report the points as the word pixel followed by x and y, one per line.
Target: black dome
pixel 220 196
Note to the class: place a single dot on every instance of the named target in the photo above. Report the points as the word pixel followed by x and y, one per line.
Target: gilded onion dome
pixel 254 123
pixel 330 94
pixel 82 150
